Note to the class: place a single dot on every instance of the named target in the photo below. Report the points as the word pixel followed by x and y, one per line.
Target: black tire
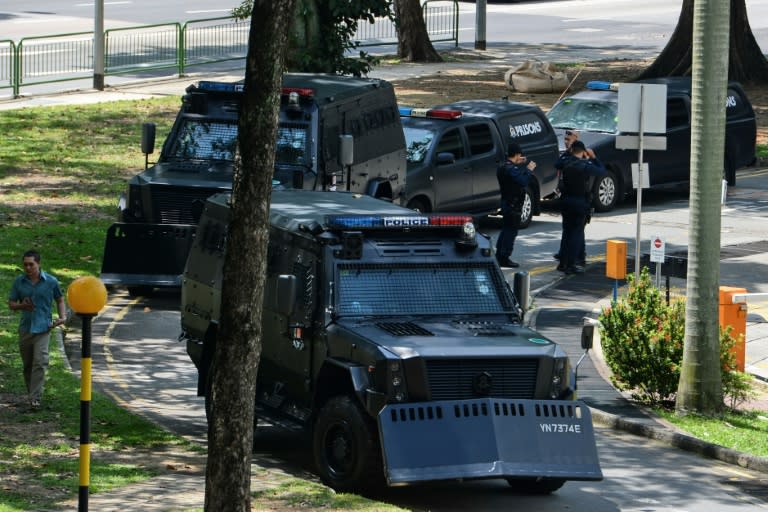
pixel 527 212
pixel 535 485
pixel 346 447
pixel 606 193
pixel 418 205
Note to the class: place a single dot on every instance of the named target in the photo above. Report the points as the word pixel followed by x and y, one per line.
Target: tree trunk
pixel 700 387
pixel 413 42
pixel 238 347
pixel 747 64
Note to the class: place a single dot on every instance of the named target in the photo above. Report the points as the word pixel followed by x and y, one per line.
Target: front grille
pixel 403 329
pixel 173 205
pixel 462 379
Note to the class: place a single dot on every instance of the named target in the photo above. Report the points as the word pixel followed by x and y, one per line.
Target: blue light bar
pixel 396 222
pixel 432 113
pixel 208 85
pixel 600 85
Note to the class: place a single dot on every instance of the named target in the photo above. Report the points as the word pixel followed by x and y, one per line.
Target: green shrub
pixel 642 340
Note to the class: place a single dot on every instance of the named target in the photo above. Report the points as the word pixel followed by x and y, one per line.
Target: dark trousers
pixel 510 226
pixel 574 220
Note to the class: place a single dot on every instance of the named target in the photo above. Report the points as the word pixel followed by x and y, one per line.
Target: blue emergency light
pixel 395 222
pixel 432 113
pixel 601 85
pixel 208 85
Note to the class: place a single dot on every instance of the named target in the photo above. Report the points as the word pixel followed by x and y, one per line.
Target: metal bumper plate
pixel 146 254
pixel 488 438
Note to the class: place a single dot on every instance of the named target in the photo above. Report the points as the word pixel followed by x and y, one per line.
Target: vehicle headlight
pixel 396 381
pixel 559 386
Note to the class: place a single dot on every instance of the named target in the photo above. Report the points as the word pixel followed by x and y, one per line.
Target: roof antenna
pixel 569 85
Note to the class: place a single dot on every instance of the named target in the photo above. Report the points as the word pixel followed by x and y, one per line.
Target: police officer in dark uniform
pixel 513 175
pixel 579 167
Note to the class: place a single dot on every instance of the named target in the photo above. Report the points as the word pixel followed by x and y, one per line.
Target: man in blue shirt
pixel 33 293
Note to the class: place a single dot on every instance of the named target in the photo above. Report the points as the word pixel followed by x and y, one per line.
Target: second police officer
pixel 578 168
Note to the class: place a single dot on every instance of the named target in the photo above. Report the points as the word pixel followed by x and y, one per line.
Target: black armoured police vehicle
pixel 394 339
pixel 334 133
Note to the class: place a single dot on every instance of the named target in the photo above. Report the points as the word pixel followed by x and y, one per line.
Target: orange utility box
pixel 616 259
pixel 734 315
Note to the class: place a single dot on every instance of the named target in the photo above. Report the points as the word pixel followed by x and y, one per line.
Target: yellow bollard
pixel 616 259
pixel 86 295
pixel 734 315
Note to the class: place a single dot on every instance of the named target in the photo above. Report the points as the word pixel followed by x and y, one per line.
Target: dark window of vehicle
pixel 677 114
pixel 205 140
pixel 451 142
pixel 480 139
pixel 414 289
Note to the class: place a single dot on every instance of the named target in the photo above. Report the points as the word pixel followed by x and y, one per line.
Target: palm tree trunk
pixel 700 387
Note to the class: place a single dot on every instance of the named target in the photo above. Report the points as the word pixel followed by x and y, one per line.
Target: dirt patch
pixel 489 84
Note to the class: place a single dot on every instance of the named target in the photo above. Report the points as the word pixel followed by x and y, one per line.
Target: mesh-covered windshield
pixel 205 140
pixel 411 289
pixel 292 144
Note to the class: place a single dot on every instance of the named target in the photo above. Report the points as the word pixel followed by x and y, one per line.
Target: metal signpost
pixel 642 111
pixel 657 256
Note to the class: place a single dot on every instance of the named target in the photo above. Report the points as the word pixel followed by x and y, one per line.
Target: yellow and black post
pixel 86 296
pixel 85 414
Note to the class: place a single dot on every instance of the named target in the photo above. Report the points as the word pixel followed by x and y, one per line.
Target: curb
pixel 665 432
pixel 682 441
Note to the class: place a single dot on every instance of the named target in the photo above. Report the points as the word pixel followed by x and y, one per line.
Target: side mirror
pixel 521 287
pixel 286 295
pixel 587 336
pixel 445 158
pixel 346 150
pixel 147 141
pixel 148 138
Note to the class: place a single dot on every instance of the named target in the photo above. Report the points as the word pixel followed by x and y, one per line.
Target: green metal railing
pixel 144 48
pixel 47 59
pixel 63 57
pixel 214 40
pixel 7 74
pixel 440 16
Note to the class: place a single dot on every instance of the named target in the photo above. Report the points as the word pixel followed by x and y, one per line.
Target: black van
pixel 594 113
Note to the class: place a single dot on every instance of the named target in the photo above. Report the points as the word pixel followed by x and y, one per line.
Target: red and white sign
pixel 657 249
